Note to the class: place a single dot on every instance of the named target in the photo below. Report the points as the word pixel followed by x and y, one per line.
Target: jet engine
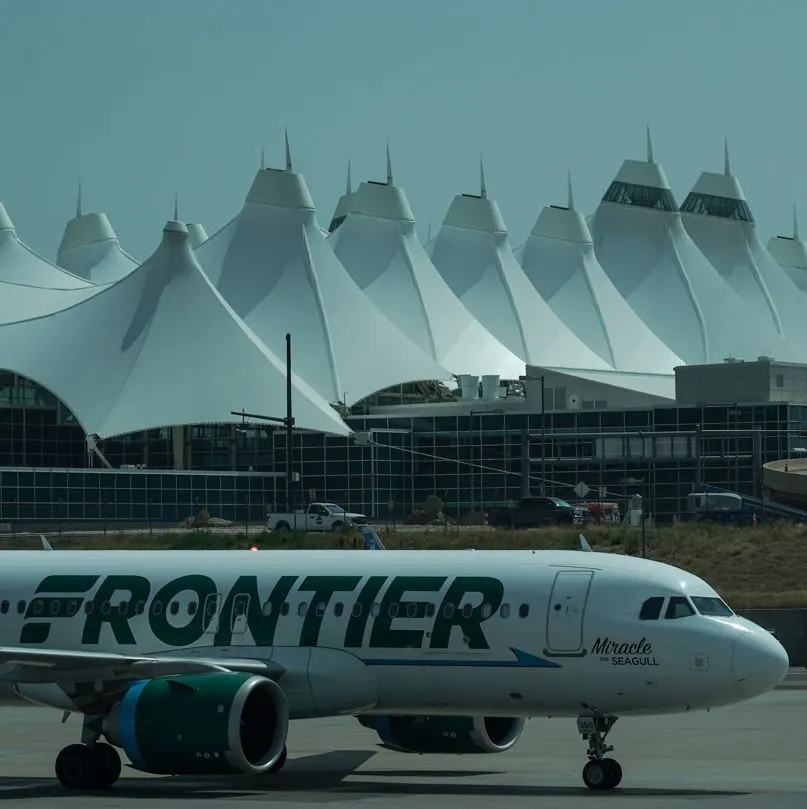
pixel 201 724
pixel 446 734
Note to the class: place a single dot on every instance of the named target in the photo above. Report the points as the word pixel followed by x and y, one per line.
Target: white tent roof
pixel 377 244
pixel 642 245
pixel 558 258
pixel 473 255
pixel 719 220
pixel 90 249
pixel 158 348
pixel 790 253
pixel 275 268
pixel 196 234
pixel 21 265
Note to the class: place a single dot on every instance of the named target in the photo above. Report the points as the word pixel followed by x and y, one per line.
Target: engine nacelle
pixel 201 724
pixel 446 734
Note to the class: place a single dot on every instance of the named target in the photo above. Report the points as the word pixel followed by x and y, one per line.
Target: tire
pixel 76 767
pixel 282 526
pixel 597 775
pixel 109 765
pixel 337 526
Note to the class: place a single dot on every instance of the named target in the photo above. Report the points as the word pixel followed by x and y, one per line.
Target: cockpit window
pixel 679 607
pixel 711 606
pixel 651 609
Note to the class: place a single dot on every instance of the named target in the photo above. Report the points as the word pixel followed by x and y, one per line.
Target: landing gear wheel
pixel 596 774
pixel 278 765
pixel 76 766
pixel 108 765
pixel 616 771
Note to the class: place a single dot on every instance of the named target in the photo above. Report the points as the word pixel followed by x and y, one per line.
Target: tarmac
pixel 735 757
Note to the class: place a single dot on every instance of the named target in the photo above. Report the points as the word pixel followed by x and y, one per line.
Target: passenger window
pixel 140 607
pixel 302 609
pixel 486 610
pixel 651 609
pixel 267 608
pixel 20 607
pixel 338 608
pixel 467 611
pixel 174 607
pixel 393 610
pixel 89 606
pixel 37 607
pixel 284 608
pixel 356 611
pixel 411 610
pixel 105 608
pixel 523 610
pixel 4 607
pixel 156 607
pixel 505 611
pixel 72 606
pixel 320 609
pixel 375 609
pixel 448 610
pixel 430 609
pixel 212 606
pixel 123 607
pixel 192 605
pixel 679 607
pixel 55 607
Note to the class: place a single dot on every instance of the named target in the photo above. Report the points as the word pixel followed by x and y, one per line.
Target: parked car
pixel 533 512
pixel 316 517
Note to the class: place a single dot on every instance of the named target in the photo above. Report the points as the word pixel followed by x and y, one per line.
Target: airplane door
pixel 212 607
pixel 567 607
pixel 239 616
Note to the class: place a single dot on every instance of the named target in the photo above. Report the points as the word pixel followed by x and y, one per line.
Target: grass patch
pixel 762 567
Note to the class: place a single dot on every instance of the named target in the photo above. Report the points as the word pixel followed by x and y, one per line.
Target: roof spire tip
pixel 288 151
pixel 349 186
pixel 726 161
pixel 176 206
pixel 389 166
pixel 570 203
pixel 650 158
pixel 263 156
pixel 78 201
pixel 795 224
pixel 483 188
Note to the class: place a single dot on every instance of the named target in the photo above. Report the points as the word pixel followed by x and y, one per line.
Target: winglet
pixel 371 539
pixel 46 546
pixel 584 546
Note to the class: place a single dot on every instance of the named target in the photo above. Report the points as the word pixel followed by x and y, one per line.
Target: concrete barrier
pixel 789 626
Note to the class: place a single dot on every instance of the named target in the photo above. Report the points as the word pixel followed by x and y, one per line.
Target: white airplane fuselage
pixel 482 633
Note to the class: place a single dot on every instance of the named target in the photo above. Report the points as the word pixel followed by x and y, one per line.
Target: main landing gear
pixel 90 765
pixel 599 772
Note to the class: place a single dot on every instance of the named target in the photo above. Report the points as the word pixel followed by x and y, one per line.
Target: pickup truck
pixel 316 517
pixel 534 512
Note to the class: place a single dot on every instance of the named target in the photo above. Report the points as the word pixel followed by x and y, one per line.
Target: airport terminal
pixel 648 349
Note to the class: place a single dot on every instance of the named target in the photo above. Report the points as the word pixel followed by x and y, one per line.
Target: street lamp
pixel 543 418
pixel 287 422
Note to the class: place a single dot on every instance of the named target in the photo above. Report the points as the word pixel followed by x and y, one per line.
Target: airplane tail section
pixel 371 540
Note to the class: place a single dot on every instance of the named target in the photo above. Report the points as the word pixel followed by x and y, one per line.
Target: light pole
pixel 287 422
pixel 543 428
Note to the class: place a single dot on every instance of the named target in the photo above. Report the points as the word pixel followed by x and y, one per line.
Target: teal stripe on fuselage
pixel 523 660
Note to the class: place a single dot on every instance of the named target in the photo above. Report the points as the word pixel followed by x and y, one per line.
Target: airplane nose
pixel 760 663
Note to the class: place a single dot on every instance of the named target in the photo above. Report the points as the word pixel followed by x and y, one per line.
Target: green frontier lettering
pixel 323 587
pixel 383 635
pixel 117 615
pixel 261 620
pixel 492 592
pixel 50 607
pixel 354 636
pixel 179 636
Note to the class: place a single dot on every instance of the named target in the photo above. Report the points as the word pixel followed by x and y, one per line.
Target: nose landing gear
pixel 599 773
pixel 81 766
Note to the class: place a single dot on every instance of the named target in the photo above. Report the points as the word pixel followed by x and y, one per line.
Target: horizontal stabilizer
pixel 371 539
pixel 584 546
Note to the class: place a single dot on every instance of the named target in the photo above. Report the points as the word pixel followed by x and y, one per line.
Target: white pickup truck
pixel 317 517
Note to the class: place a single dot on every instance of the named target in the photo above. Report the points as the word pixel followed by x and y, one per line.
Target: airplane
pixel 372 542
pixel 195 663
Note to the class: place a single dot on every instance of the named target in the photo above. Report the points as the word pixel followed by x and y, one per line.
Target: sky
pixel 143 100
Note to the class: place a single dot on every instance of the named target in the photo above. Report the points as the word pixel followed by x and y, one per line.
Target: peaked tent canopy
pixel 472 253
pixel 158 348
pixel 196 234
pixel 641 243
pixel 275 268
pixel 90 249
pixel 559 260
pixel 375 240
pixel 21 265
pixel 790 253
pixel 719 220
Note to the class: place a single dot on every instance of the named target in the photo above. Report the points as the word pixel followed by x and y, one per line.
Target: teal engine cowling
pixel 446 734
pixel 201 724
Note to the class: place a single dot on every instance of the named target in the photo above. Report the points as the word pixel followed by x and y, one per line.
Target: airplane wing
pixel 53 665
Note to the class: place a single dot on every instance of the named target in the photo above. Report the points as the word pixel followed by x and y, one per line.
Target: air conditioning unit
pixel 573 402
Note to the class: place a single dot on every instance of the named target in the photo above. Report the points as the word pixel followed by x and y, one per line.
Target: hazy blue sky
pixel 139 99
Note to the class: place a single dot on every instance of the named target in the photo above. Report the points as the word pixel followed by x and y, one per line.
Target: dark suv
pixel 533 512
